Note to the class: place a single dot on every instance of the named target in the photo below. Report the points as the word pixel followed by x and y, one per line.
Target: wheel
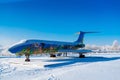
pixel 27 60
pixel 52 55
pixel 82 56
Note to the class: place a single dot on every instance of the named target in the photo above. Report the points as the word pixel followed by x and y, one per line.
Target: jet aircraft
pixel 34 46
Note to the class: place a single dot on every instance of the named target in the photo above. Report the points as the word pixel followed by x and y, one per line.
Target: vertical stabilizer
pixel 81 36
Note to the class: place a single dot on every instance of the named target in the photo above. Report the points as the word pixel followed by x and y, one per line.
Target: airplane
pixel 32 46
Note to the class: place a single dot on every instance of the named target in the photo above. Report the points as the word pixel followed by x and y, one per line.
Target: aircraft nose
pixel 17 48
pixel 14 49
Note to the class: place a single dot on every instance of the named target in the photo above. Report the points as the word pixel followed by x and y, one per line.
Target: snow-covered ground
pixel 93 67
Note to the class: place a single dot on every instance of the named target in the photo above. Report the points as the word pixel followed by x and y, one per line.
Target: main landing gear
pixel 52 55
pixel 81 55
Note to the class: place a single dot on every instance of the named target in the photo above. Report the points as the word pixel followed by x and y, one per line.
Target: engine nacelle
pixel 80 46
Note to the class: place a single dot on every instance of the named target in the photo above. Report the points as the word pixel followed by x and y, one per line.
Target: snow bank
pixel 6 69
pixel 115 46
pixel 21 41
pixel 100 67
pixel 6 53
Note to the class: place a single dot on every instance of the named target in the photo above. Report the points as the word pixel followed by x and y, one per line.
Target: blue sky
pixel 59 20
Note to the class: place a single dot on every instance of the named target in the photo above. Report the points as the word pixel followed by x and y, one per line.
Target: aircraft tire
pixel 82 56
pixel 27 60
pixel 52 55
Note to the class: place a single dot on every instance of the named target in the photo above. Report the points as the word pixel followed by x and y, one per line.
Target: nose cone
pixel 15 49
pixel 18 48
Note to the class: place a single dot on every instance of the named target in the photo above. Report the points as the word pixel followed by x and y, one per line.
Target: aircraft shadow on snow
pixel 73 60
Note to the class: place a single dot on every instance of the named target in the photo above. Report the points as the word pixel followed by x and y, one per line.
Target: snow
pixel 115 46
pixel 6 53
pixel 21 41
pixel 93 67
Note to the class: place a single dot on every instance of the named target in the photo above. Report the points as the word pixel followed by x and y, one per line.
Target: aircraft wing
pixel 76 51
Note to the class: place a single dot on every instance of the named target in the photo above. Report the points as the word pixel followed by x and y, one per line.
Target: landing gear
pixel 27 58
pixel 65 54
pixel 52 55
pixel 59 54
pixel 81 56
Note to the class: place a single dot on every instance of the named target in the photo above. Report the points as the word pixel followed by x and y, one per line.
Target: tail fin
pixel 81 36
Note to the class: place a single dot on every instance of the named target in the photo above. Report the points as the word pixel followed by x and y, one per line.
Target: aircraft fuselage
pixel 44 46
